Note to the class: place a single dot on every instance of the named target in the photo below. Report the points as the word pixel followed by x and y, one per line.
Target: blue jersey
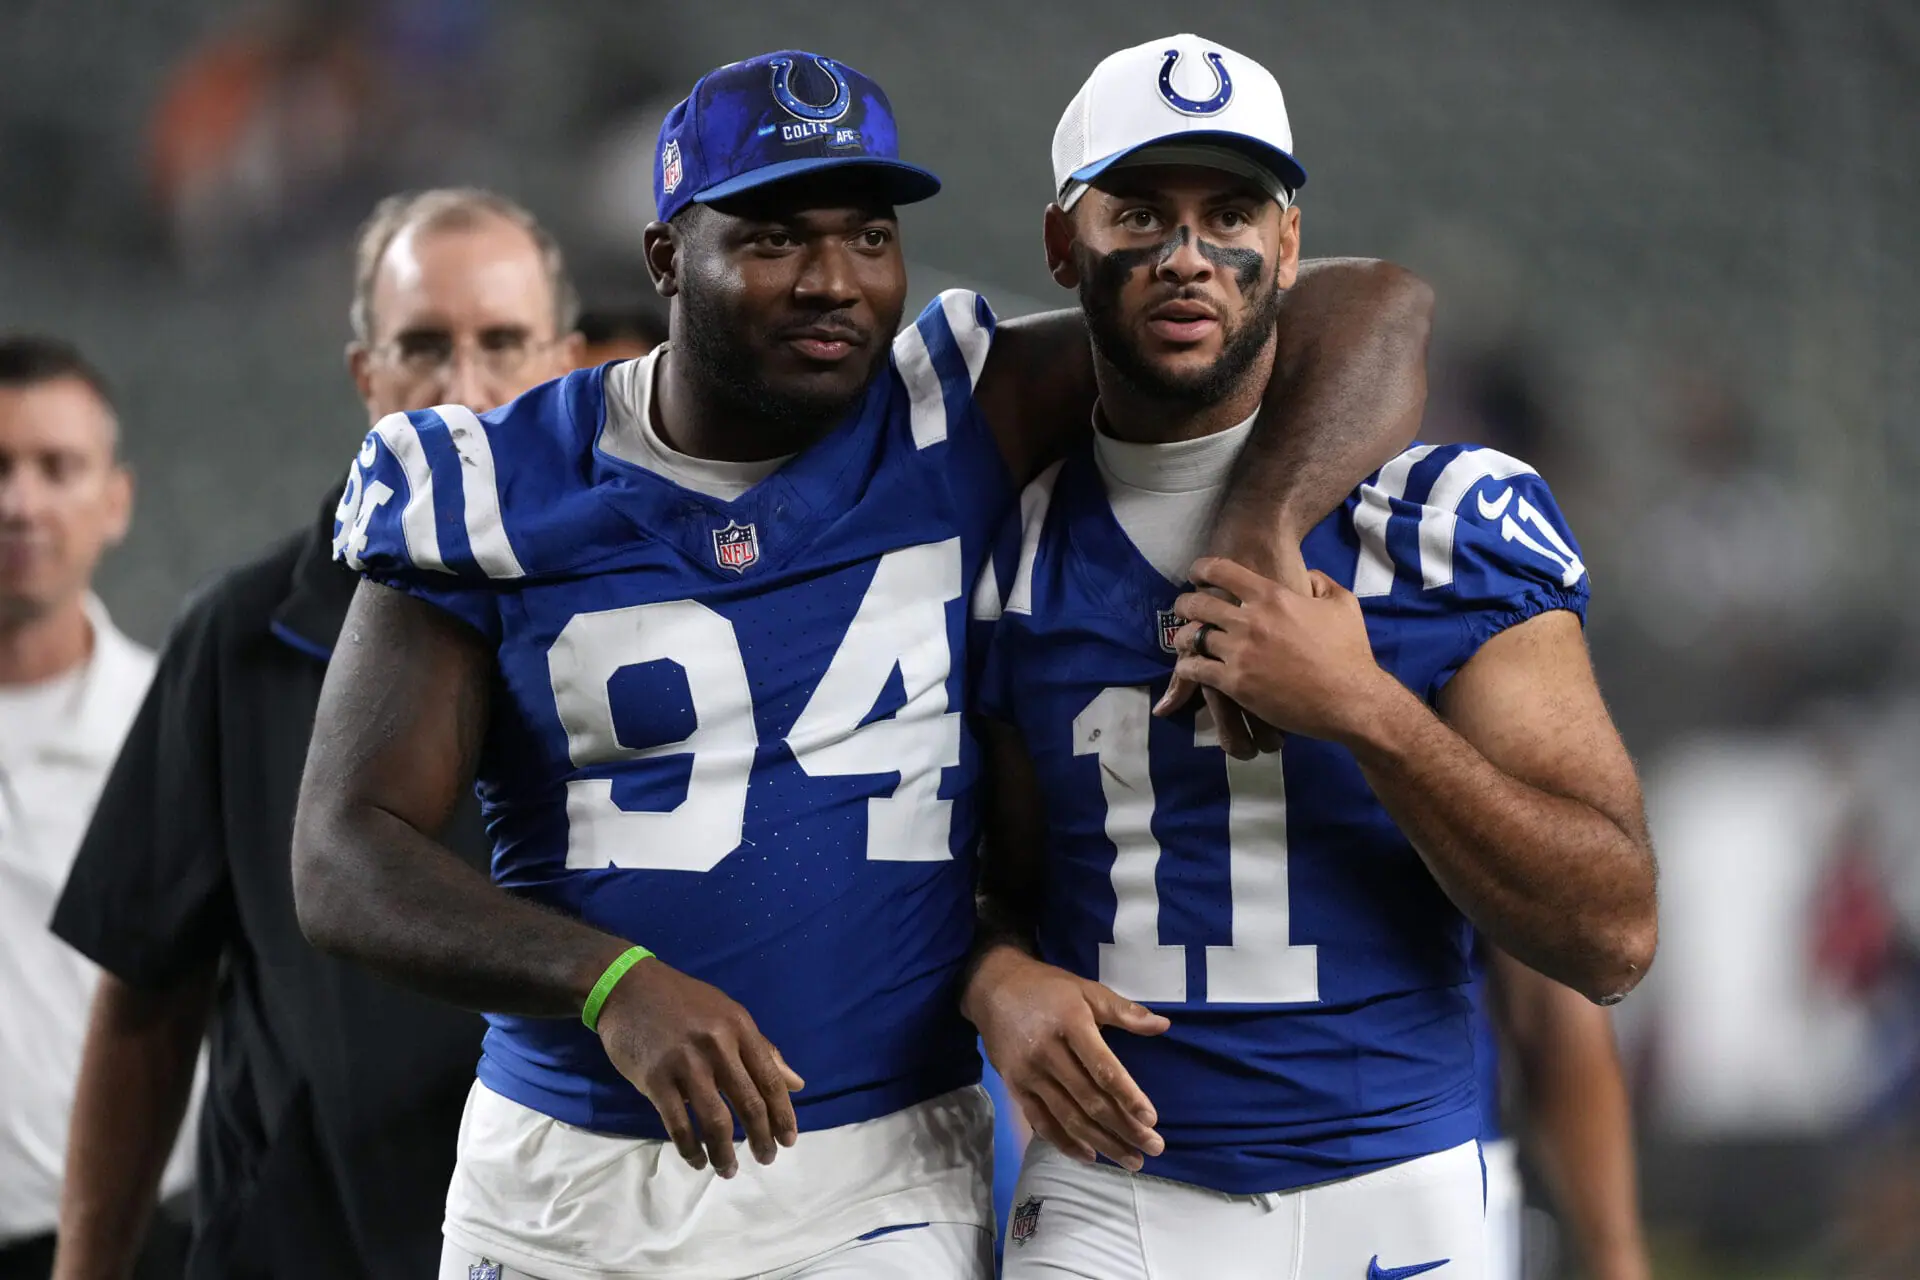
pixel 1315 974
pixel 731 731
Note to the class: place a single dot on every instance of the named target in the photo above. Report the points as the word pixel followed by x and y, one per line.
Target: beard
pixel 1103 277
pixel 732 373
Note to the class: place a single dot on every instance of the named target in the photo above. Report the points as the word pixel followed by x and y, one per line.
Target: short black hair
pixel 29 359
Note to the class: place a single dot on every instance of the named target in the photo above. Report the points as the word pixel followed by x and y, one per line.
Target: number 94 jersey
pixel 1314 973
pixel 729 730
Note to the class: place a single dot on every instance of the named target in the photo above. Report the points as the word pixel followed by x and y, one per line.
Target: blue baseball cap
pixel 773 117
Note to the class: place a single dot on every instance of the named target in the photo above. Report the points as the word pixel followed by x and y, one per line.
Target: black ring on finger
pixel 1200 641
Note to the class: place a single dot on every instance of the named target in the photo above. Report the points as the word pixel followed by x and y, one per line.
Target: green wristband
pixel 590 1011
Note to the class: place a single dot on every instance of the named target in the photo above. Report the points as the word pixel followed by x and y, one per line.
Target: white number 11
pixel 1261 965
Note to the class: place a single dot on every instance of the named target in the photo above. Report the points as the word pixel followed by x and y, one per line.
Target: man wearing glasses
pixel 329 1130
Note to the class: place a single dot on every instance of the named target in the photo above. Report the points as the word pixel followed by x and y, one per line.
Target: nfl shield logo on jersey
pixel 670 167
pixel 735 546
pixel 1170 624
pixel 1026 1219
pixel 484 1270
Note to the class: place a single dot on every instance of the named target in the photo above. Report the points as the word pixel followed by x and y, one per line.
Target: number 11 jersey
pixel 1315 975
pixel 730 730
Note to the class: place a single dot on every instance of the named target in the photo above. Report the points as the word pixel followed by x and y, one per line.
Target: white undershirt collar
pixel 631 436
pixel 1179 466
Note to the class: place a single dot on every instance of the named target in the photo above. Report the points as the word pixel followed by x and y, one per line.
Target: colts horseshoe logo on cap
pixel 1193 106
pixel 783 92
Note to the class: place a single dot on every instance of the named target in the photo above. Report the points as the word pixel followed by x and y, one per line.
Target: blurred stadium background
pixel 1678 263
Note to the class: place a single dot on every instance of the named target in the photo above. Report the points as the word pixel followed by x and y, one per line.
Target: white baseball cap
pixel 1194 101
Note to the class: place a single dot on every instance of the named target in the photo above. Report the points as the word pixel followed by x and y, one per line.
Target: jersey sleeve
pixel 1003 599
pixel 987 641
pixel 422 513
pixel 1489 549
pixel 939 359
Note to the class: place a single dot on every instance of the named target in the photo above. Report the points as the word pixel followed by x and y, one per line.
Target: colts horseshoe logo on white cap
pixel 1192 106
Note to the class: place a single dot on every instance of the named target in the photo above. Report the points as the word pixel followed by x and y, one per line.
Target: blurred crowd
pixel 1753 622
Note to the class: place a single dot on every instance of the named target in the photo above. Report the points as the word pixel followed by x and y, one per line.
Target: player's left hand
pixel 1041 1026
pixel 1301 662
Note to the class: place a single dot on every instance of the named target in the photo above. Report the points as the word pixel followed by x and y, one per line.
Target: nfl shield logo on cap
pixel 670 168
pixel 484 1270
pixel 736 546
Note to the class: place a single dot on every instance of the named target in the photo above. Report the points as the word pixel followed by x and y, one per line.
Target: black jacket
pixel 328 1135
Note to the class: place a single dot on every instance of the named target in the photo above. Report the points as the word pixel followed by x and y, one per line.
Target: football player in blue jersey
pixel 1246 982
pixel 695 623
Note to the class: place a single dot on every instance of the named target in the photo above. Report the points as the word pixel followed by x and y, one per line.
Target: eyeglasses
pixel 500 352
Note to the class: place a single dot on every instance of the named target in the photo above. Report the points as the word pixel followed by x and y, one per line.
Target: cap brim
pixel 1284 166
pixel 903 183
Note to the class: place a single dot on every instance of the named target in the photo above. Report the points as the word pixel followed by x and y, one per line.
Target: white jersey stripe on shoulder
pixel 480 493
pixel 927 402
pixel 973 338
pixel 1373 575
pixel 1437 522
pixel 985 605
pixel 1034 501
pixel 416 518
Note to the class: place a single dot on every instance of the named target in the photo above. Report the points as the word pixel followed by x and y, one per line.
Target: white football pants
pixel 1506 1211
pixel 1423 1218
pixel 938 1251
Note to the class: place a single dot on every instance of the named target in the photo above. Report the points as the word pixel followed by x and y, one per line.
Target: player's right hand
pixel 690 1048
pixel 1041 1027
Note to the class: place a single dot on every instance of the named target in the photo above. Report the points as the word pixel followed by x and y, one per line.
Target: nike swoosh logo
pixel 1490 511
pixel 1377 1272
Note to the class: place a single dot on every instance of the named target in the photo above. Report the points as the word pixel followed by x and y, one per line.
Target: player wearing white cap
pixel 1276 948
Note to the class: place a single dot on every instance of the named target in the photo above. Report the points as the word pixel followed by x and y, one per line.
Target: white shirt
pixel 1165 495
pixel 58 739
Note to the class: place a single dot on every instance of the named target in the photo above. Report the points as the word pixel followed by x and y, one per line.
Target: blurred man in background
pixel 330 1129
pixel 69 684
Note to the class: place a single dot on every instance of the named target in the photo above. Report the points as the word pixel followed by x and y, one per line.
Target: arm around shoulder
pixel 1349 386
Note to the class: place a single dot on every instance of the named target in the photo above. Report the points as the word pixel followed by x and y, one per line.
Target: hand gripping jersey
pixel 1315 975
pixel 731 731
